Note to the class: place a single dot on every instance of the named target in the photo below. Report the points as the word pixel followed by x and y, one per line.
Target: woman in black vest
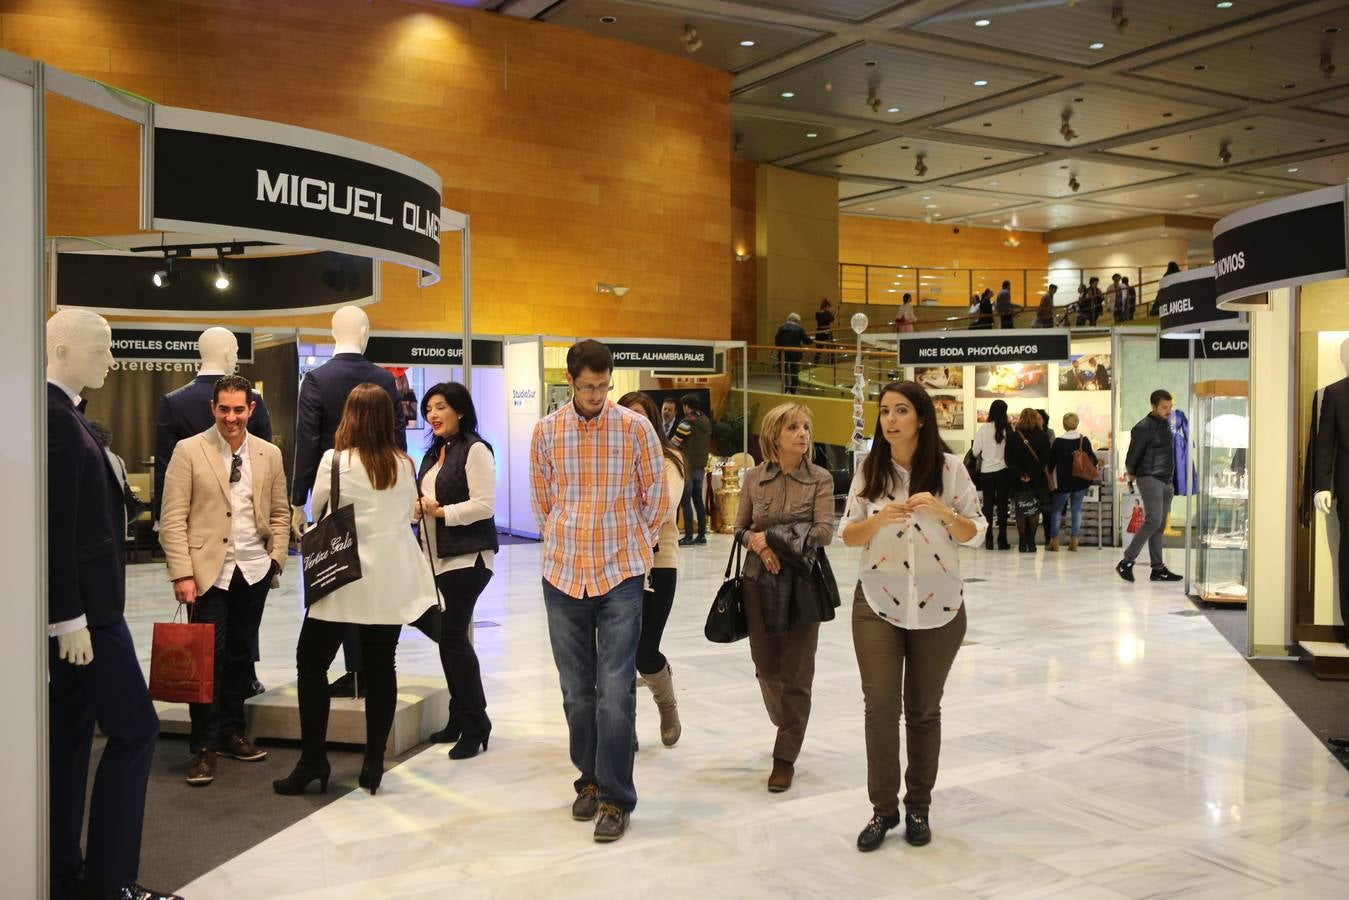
pixel 458 496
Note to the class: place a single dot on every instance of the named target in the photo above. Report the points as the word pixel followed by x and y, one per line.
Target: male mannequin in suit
pixel 323 393
pixel 225 530
pixel 92 664
pixel 187 411
pixel 1331 476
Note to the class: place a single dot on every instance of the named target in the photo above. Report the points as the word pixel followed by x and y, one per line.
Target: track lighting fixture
pixel 873 99
pixel 920 167
pixel 1118 19
pixel 167 275
pixel 1224 154
pixel 1327 67
pixel 1073 183
pixel 1066 129
pixel 222 278
pixel 692 43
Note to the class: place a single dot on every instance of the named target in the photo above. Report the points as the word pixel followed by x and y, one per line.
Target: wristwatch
pixel 954 515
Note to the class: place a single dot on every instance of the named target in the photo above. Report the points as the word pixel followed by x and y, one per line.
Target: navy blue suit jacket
pixel 323 393
pixel 186 412
pixel 86 521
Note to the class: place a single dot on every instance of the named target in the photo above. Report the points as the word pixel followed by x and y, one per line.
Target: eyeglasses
pixel 595 388
pixel 236 468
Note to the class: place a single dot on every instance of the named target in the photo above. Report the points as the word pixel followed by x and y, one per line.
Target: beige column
pixel 796 246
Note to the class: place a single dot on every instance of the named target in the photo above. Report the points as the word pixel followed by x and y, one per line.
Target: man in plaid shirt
pixel 597 486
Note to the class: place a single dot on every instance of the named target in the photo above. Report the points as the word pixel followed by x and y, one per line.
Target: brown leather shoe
pixel 781 779
pixel 241 748
pixel 202 771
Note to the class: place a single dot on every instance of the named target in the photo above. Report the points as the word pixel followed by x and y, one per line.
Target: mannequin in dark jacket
pixel 1331 473
pixel 1028 459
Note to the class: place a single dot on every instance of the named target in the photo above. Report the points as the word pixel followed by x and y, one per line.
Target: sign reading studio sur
pixel 429 350
pixel 1286 242
pixel 1013 346
pixel 261 180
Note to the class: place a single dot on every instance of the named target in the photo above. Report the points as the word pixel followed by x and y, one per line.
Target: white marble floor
pixel 1096 744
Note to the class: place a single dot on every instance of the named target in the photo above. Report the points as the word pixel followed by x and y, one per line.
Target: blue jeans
pixel 1060 503
pixel 595 649
pixel 693 502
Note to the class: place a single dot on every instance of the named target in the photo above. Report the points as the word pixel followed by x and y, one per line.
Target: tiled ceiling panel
pixel 1047 218
pixel 764 140
pixel 1273 65
pixel 897 159
pixel 1064 30
pixel 1340 106
pixel 1051 179
pixel 913 84
pixel 1226 209
pixel 1095 112
pixel 1190 194
pixel 919 204
pixel 662 28
pixel 1248 140
pixel 850 189
pixel 1325 170
pixel 852 10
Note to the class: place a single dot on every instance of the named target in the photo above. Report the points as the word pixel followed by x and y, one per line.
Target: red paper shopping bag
pixel 182 662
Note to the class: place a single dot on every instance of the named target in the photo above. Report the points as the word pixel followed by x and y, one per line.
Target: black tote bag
pixel 329 549
pixel 726 621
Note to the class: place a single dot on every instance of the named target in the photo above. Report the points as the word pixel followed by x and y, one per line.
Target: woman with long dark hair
pixel 909 507
pixel 1029 464
pixel 456 508
pixel 658 597
pixel 990 445
pixel 395 587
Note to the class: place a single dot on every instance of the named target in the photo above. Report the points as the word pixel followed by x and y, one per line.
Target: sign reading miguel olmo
pixel 1187 301
pixel 1038 345
pixel 266 181
pixel 1286 242
pixel 664 357
pixel 429 350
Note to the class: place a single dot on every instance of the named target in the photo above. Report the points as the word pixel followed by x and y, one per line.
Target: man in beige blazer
pixel 224 525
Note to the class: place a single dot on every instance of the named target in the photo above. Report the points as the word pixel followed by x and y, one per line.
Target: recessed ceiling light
pixel 988 124
pixel 1167 115
pixel 1191 196
pixel 747 43
pixel 871 209
pixel 608 20
pixel 987 158
pixel 787 95
pixel 893 109
pixel 927 197
pixel 1152 148
pixel 933 206
pixel 811 134
pixel 1133 177
pixel 1164 234
pixel 1333 29
pixel 1224 4
pixel 1079 99
pixel 1320 140
pixel 1292 169
pixel 982 23
pixel 1096 46
pixel 1260 193
pixel 981 83
pixel 871 63
pixel 1063 167
pixel 1249 128
pixel 997 205
pixel 992 184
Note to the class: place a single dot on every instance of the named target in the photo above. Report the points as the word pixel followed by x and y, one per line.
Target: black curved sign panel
pixel 1286 242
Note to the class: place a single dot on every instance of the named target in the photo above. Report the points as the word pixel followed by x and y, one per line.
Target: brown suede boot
pixel 662 691
pixel 1053 544
pixel 1072 544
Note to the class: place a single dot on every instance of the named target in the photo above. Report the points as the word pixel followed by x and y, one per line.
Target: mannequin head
pixel 79 349
pixel 219 350
pixel 1344 355
pixel 351 328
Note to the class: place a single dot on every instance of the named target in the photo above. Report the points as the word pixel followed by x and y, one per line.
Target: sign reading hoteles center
pixel 1286 242
pixel 167 343
pixel 259 180
pixel 963 348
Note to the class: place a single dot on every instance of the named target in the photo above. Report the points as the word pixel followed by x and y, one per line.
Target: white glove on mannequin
pixel 1322 502
pixel 76 648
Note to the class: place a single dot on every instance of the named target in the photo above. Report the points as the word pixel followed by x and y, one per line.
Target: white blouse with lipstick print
pixel 910 573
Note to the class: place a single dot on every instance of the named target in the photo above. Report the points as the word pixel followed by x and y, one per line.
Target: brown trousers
pixel 785 667
pixel 882 651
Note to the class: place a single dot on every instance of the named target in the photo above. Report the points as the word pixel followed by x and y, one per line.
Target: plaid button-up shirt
pixel 597 487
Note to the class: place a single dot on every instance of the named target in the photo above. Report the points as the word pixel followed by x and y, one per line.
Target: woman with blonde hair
pixel 377 480
pixel 786 504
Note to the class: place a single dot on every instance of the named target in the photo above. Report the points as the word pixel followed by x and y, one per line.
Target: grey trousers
pixel 1157 496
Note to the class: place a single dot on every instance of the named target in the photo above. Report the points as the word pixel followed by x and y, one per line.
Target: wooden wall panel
pixel 744 288
pixel 580 159
pixel 891 242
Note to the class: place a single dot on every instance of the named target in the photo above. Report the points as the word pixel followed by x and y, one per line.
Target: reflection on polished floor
pixel 1096 744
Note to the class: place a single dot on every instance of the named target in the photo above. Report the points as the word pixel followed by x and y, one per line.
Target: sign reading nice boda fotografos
pixel 266 181
pixel 1013 346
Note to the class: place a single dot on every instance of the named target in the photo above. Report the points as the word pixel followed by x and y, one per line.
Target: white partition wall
pixel 23 777
pixel 524 388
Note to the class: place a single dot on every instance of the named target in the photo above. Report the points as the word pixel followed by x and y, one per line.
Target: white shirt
pixel 246 549
pixel 910 574
pixel 480 470
pixel 989 450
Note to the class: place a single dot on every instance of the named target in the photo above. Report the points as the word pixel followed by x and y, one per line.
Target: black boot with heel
pixel 304 773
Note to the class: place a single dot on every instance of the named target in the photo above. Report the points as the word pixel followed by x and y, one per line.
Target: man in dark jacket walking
pixel 1005 308
pixel 692 438
pixel 1151 464
pixel 791 334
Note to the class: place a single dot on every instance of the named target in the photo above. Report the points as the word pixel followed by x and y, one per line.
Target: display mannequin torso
pixel 1331 475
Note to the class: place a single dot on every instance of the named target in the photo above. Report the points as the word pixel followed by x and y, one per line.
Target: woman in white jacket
pixel 658 598
pixel 395 587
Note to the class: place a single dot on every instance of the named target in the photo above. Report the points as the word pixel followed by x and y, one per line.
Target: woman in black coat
pixel 1028 459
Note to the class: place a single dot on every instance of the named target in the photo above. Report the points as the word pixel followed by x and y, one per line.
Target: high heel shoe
pixel 372 774
pixel 468 745
pixel 300 777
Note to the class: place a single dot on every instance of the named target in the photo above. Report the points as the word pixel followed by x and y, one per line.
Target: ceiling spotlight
pixel 812 134
pixel 1073 183
pixel 1224 4
pixel 1096 46
pixel 608 20
pixel 1326 66
pixel 787 95
pixel 893 109
pixel 1118 19
pixel 874 99
pixel 1066 129
pixel 747 43
pixel 981 83
pixel 692 43
pixel 1224 154
pixel 982 23
pixel 167 275
pixel 920 167
pixel 222 278
pixel 1292 170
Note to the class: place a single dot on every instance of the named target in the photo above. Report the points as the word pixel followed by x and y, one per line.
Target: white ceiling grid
pixel 1194 107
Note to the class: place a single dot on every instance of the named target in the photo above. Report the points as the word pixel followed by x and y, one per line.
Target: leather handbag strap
pixel 1028 446
pixel 734 557
pixel 335 494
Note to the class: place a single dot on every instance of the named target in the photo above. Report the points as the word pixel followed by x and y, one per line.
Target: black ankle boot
pixel 917 831
pixel 471 742
pixel 372 772
pixel 301 776
pixel 988 539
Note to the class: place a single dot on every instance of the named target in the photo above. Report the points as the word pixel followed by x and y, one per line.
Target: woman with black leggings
pixel 458 498
pixel 658 598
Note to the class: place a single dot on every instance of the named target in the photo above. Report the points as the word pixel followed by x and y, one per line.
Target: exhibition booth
pixel 1284 263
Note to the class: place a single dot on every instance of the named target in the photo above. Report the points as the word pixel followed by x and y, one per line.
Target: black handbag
pixel 329 549
pixel 726 622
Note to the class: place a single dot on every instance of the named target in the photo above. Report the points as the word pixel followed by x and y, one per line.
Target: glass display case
pixel 1221 430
